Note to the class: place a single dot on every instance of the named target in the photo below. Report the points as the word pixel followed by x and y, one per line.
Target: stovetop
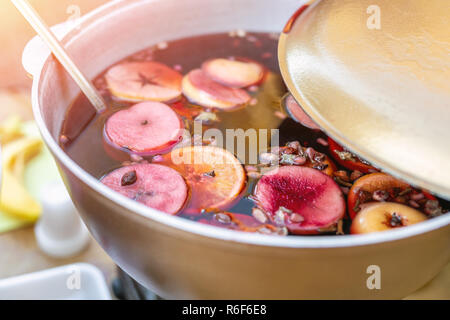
pixel 125 287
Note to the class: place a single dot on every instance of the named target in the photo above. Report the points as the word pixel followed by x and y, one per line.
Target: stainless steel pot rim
pixel 206 230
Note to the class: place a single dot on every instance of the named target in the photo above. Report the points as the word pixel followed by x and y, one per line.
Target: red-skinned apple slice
pixel 155 186
pixel 296 112
pixel 146 128
pixel 375 217
pixel 201 89
pixel 305 200
pixel 234 73
pixel 149 80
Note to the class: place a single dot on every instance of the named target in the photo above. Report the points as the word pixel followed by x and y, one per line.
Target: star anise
pixel 145 80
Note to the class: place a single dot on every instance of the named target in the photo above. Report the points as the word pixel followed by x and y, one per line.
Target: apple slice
pixel 234 73
pixel 303 199
pixel 154 185
pixel 201 89
pixel 149 80
pixel 375 217
pixel 296 112
pixel 146 128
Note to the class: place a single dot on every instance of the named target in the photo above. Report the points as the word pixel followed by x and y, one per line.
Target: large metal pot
pixel 178 258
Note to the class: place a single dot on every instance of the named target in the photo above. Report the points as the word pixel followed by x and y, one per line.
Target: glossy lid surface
pixel 376 77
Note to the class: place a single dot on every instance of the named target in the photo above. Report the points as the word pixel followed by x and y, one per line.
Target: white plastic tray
pixel 79 281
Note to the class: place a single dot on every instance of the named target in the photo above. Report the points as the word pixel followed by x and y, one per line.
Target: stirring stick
pixel 60 53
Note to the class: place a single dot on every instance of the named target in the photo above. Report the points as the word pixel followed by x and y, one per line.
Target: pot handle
pixel 36 51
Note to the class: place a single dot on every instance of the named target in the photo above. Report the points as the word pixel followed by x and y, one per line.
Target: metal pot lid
pixel 375 76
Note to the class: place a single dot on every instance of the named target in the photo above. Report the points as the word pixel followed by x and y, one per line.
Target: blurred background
pixel 19 249
pixel 15 33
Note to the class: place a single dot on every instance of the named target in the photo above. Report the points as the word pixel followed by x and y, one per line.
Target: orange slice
pixel 215 176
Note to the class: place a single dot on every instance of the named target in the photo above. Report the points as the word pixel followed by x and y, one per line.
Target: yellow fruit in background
pixel 10 129
pixel 14 198
pixel 21 150
pixel 19 166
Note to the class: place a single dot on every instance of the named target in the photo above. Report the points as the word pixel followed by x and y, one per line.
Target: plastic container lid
pixel 375 77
